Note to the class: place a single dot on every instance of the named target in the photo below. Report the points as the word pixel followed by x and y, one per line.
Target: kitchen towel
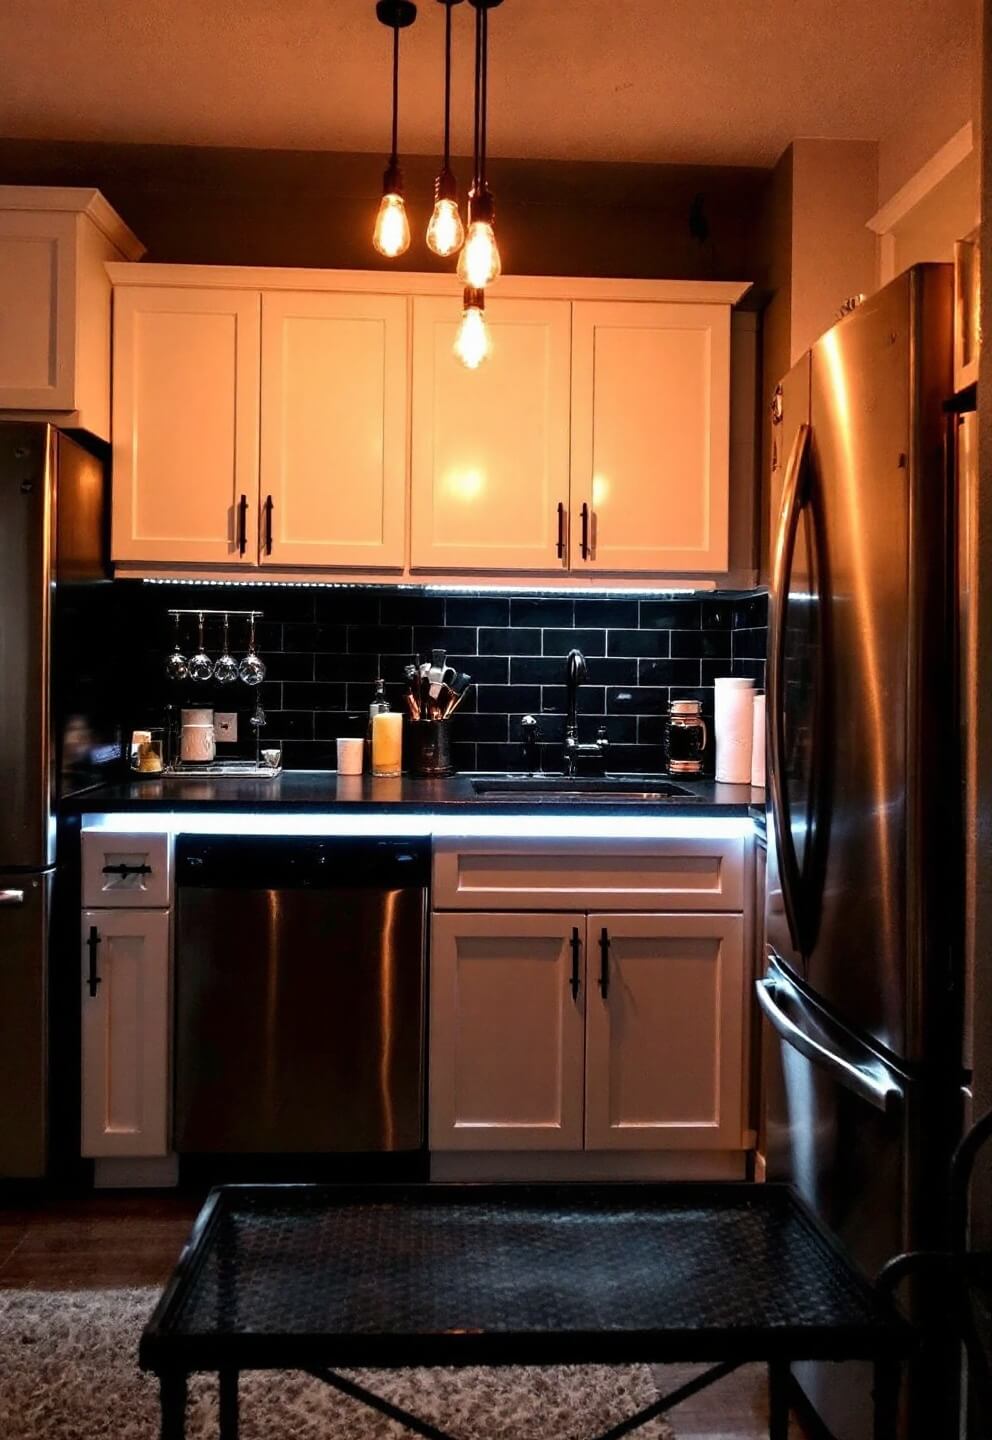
pixel 734 724
pixel 758 743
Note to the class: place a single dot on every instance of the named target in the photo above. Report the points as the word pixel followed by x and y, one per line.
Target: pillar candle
pixel 387 743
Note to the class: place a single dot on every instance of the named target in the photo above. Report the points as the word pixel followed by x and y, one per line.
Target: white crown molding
pixel 918 186
pixel 75 200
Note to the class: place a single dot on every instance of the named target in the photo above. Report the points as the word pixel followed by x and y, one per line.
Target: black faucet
pixel 591 758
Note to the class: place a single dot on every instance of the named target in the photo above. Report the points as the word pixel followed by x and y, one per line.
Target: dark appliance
pixel 300 995
pixel 57 735
pixel 862 994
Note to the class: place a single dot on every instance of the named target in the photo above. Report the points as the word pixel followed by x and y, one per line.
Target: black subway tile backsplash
pixel 325 647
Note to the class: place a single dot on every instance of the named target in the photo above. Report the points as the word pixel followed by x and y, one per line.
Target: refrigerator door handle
pixel 792 504
pixel 879 1089
pixel 11 897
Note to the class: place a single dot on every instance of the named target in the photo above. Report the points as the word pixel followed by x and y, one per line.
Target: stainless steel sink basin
pixel 606 788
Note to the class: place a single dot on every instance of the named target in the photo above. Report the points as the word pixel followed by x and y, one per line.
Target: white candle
pixel 387 743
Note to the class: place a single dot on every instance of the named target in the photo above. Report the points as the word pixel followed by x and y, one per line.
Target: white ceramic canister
pixel 199 739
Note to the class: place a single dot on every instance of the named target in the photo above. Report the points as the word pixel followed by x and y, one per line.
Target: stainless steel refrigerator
pixel 862 995
pixel 56 735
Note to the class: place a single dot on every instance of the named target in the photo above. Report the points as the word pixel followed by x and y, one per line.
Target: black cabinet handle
pixel 585 531
pixel 604 961
pixel 560 546
pixel 268 524
pixel 242 525
pixel 92 979
pixel 576 948
pixel 123 870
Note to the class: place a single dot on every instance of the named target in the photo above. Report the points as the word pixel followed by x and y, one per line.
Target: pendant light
pixel 445 233
pixel 473 343
pixel 479 263
pixel 392 228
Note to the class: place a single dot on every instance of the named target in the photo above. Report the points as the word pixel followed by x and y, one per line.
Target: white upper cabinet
pixel 665 1032
pixel 490 446
pixel 650 437
pixel 334 430
pixel 55 302
pixel 186 425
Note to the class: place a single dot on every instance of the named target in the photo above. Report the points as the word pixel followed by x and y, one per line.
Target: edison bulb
pixel 392 228
pixel 479 263
pixel 445 233
pixel 472 343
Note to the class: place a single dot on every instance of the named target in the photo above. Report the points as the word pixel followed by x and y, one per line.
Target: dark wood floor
pixel 107 1241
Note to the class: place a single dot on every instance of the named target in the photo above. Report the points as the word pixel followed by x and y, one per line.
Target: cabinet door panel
pixel 185 442
pixel 490 446
pixel 37 300
pixel 125 1033
pixel 650 436
pixel 664 1048
pixel 334 428
pixel 506 1040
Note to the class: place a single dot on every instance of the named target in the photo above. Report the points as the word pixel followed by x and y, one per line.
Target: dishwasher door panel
pixel 300 1020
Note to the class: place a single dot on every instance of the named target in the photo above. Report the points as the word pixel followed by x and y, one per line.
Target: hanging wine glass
pixel 201 667
pixel 252 667
pixel 225 666
pixel 176 664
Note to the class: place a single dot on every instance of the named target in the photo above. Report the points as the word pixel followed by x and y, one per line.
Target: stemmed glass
pixel 225 666
pixel 201 667
pixel 176 664
pixel 252 667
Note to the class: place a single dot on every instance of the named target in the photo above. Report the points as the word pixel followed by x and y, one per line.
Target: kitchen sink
pixel 600 787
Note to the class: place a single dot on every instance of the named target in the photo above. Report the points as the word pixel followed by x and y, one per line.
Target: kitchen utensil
pixel 177 666
pixel 225 666
pixel 201 667
pixel 457 690
pixel 412 707
pixel 351 753
pixel 252 667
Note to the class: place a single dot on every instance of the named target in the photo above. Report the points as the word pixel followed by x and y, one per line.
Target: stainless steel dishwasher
pixel 300 994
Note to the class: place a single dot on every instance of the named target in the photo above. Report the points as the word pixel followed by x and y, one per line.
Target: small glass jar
pixel 147 752
pixel 685 738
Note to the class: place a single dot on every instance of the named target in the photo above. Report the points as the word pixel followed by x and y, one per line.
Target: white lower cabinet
pixel 507 1032
pixel 665 1032
pixel 595 1032
pixel 125 1032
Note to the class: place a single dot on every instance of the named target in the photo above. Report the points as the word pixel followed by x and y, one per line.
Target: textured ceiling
pixel 714 81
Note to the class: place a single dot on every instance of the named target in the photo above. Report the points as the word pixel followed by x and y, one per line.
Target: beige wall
pixel 928 118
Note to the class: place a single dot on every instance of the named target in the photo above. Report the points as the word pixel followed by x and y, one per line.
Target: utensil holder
pixel 429 748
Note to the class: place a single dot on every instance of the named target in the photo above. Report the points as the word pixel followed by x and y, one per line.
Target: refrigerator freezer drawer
pixel 125 870
pixel 25 905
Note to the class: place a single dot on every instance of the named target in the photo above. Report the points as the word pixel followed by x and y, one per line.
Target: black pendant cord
pixel 447 88
pixel 484 101
pixel 394 157
pixel 478 96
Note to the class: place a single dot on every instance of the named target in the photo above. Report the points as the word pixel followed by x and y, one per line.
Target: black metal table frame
pixel 321 1357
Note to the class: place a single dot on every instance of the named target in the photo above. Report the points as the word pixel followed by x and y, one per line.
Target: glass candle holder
pixel 387 744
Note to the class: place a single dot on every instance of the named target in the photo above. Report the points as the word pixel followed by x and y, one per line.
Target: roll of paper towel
pixel 758 743
pixel 734 725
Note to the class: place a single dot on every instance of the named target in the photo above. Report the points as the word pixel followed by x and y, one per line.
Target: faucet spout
pixel 575 673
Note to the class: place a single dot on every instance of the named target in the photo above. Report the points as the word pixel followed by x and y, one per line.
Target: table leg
pixel 888 1376
pixel 172 1386
pixel 778 1400
pixel 228 1404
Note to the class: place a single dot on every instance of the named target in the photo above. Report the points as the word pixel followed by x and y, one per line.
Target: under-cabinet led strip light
pixel 470 827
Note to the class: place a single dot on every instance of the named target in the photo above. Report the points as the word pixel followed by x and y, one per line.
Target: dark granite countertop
pixel 314 791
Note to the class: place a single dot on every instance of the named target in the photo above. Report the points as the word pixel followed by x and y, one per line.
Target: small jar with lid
pixel 685 738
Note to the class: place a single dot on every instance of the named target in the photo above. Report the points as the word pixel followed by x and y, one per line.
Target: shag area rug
pixel 69 1371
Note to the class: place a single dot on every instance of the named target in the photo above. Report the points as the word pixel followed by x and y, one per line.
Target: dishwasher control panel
pixel 292 862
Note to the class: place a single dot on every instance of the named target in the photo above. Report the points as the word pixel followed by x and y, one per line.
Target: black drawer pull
pixel 604 962
pixel 576 947
pixel 268 507
pixel 124 870
pixel 560 546
pixel 585 531
pixel 92 979
pixel 242 525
